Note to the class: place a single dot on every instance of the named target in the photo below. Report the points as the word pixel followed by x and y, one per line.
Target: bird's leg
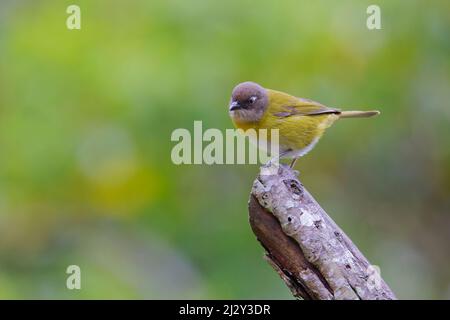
pixel 293 162
pixel 269 168
pixel 278 157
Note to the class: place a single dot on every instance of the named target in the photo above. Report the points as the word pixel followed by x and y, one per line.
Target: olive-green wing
pixel 305 107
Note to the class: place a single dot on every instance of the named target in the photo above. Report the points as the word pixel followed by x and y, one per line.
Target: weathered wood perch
pixel 312 255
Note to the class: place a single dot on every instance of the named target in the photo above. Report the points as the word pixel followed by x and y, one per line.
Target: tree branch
pixel 312 255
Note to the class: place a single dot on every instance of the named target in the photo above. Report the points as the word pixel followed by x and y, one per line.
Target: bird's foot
pixel 293 163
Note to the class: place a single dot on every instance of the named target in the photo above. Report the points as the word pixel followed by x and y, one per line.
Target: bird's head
pixel 248 102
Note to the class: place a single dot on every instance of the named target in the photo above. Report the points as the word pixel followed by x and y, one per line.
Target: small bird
pixel 301 122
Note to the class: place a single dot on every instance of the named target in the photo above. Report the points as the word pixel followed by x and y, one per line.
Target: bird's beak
pixel 235 105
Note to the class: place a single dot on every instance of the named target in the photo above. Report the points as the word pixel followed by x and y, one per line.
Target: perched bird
pixel 301 122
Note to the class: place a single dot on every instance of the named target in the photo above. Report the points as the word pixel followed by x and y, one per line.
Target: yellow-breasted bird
pixel 301 122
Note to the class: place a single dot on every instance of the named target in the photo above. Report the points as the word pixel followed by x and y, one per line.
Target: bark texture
pixel 312 255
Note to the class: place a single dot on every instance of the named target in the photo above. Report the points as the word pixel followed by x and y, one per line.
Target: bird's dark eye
pixel 252 99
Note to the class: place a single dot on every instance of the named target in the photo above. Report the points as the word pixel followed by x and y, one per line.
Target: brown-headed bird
pixel 301 122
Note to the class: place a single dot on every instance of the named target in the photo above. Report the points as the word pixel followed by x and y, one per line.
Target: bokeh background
pixel 86 117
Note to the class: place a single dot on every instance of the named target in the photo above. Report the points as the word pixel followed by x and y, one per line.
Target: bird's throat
pixel 245 125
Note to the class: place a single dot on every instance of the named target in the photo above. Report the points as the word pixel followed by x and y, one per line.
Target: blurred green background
pixel 86 117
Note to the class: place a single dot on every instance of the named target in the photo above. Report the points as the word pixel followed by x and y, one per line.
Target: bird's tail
pixel 359 114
